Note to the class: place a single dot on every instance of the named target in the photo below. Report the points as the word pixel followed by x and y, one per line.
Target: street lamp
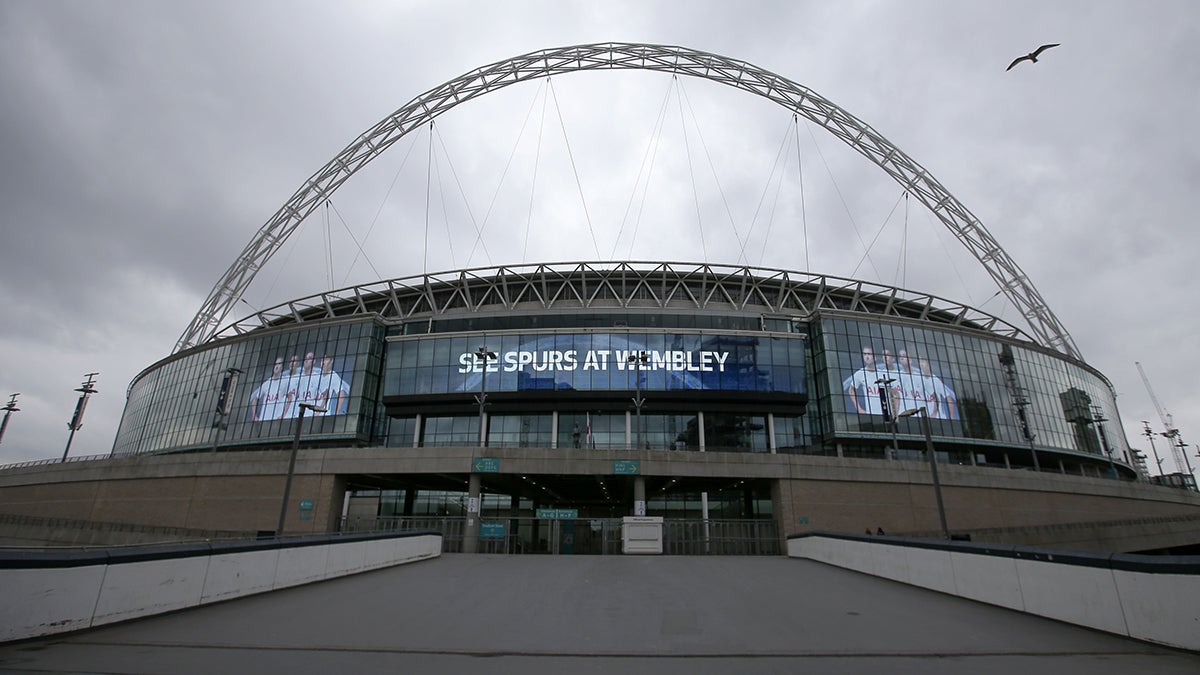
pixel 8 411
pixel 637 360
pixel 287 486
pixel 76 423
pixel 937 484
pixel 883 383
pixel 483 355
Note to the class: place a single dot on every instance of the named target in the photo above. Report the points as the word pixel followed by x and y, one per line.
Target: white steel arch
pixel 914 178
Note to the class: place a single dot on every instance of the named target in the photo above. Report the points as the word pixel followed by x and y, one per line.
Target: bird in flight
pixel 1031 56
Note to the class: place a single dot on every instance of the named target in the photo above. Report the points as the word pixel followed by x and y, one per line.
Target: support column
pixel 771 433
pixel 700 428
pixel 629 430
pixel 416 439
pixel 704 517
pixel 554 429
pixel 471 531
pixel 639 495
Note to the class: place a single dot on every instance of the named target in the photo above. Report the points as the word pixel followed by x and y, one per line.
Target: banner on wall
pixel 309 376
pixel 619 361
pixel 889 383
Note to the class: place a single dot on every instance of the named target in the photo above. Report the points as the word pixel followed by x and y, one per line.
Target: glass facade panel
pixel 970 387
pixel 174 406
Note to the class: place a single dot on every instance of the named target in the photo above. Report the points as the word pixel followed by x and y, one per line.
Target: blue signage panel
pixel 603 361
pixel 491 530
pixel 626 467
pixel 485 465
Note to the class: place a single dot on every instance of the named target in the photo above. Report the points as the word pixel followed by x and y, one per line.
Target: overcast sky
pixel 142 144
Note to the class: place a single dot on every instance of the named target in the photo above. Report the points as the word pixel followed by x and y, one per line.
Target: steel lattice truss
pixel 620 285
pixel 915 179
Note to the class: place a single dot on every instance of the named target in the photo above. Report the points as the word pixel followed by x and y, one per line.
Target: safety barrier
pixel 1150 598
pixel 55 592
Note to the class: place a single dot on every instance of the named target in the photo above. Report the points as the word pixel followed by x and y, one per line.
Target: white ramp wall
pixel 1150 598
pixel 48 593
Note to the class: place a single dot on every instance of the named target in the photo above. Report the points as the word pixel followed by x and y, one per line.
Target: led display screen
pixel 315 377
pixel 889 383
pixel 598 361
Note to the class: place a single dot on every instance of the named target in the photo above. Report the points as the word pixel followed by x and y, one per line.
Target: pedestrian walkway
pixel 532 615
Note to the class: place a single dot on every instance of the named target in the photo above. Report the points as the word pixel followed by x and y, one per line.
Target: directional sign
pixel 558 514
pixel 306 505
pixel 626 467
pixel 491 530
pixel 485 465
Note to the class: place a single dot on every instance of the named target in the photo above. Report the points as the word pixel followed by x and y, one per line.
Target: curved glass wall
pixel 250 391
pixel 971 388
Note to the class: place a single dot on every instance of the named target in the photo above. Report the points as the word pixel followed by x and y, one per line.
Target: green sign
pixel 306 505
pixel 626 467
pixel 485 465
pixel 557 514
pixel 491 530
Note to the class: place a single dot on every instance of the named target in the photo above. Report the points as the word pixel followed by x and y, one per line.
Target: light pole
pixel 287 485
pixel 8 410
pixel 483 355
pixel 937 484
pixel 637 360
pixel 1150 435
pixel 224 403
pixel 883 383
pixel 76 423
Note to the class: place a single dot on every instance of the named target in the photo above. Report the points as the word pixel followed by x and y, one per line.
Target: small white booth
pixel 642 534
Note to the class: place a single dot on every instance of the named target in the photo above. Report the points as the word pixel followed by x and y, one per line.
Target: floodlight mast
pixel 801 101
pixel 8 409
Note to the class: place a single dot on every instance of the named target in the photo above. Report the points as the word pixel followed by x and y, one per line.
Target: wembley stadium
pixel 531 407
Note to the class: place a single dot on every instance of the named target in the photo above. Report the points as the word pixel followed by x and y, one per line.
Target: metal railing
pixel 585 536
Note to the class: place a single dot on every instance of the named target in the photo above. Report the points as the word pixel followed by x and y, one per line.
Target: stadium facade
pixel 534 405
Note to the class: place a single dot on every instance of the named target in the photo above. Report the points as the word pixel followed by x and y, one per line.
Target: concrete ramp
pixel 594 614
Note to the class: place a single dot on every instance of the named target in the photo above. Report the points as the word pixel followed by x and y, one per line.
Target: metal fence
pixel 586 536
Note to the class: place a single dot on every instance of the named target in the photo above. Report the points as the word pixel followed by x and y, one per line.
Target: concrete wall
pixel 1150 598
pixel 241 491
pixel 48 593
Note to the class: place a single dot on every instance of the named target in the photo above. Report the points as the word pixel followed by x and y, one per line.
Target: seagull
pixel 1031 56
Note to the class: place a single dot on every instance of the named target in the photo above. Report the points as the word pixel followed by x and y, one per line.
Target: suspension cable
pixel 437 168
pixel 537 160
pixel 762 197
pixel 463 194
pixel 800 178
pixel 499 184
pixel 649 155
pixel 379 211
pixel 692 174
pixel 716 179
pixel 578 184
pixel 846 207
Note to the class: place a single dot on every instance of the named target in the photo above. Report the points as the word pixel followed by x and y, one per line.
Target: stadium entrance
pixel 569 515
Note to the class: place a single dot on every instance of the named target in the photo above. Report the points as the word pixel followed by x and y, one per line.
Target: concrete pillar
pixel 471 531
pixel 410 499
pixel 629 430
pixel 416 439
pixel 771 433
pixel 554 429
pixel 700 428
pixel 1007 464
pixel 639 495
pixel 1061 467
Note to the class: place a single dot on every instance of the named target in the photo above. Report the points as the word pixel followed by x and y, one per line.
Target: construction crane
pixel 1178 447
